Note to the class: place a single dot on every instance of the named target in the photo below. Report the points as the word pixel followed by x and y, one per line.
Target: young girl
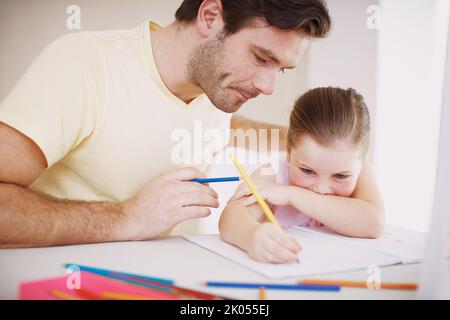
pixel 325 180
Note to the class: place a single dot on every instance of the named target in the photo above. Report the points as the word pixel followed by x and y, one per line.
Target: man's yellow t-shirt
pixel 96 106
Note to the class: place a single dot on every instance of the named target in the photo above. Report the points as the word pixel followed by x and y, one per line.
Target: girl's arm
pixel 361 215
pixel 245 227
pixel 238 222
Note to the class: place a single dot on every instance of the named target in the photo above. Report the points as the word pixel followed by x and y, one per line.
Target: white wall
pixel 27 26
pixel 348 56
pixel 411 68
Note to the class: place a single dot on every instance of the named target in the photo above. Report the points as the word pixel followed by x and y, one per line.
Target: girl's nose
pixel 323 189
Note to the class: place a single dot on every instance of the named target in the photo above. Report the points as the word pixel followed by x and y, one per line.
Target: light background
pixel 398 69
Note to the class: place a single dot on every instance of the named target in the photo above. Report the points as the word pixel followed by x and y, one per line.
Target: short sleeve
pixel 59 101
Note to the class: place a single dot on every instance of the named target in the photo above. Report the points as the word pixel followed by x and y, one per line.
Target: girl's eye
pixel 341 176
pixel 307 171
pixel 282 70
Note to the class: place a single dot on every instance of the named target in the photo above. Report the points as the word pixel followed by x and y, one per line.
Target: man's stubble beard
pixel 206 69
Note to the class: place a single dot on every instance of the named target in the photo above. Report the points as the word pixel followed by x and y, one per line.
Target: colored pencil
pixel 161 284
pixel 360 284
pixel 262 293
pixel 89 295
pixel 274 286
pixel 212 180
pixel 255 192
pixel 123 296
pixel 116 274
pixel 63 296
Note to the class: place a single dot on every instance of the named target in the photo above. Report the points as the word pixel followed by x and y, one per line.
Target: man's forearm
pixel 268 137
pixel 29 219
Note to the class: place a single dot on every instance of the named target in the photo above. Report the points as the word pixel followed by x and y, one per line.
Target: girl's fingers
pixel 286 241
pixel 252 199
pixel 241 191
pixel 268 256
pixel 249 201
pixel 281 253
pixel 295 243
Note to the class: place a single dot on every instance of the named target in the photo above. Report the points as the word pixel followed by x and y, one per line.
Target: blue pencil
pixel 274 286
pixel 128 277
pixel 210 180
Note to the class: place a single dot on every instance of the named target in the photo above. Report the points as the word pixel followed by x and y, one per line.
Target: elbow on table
pixel 377 225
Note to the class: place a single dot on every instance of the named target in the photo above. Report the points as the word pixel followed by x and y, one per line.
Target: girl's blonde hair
pixel 328 115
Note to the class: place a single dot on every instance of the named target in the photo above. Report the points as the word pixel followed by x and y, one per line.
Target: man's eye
pixel 341 176
pixel 307 171
pixel 260 60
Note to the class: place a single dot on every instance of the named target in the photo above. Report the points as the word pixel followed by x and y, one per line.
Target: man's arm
pixel 30 219
pixel 257 135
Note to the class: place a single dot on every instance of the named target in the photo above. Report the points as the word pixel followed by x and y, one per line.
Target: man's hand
pixel 31 219
pixel 166 201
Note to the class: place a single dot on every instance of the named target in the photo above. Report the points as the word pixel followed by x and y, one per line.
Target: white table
pixel 175 258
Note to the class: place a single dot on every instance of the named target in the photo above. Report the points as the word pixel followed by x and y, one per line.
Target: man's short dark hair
pixel 308 16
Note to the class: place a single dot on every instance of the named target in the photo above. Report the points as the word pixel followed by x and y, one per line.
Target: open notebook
pixel 326 252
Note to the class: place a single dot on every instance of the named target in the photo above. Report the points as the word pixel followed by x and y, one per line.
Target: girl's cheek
pixel 302 182
pixel 344 189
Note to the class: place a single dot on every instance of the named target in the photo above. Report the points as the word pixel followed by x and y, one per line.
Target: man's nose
pixel 265 82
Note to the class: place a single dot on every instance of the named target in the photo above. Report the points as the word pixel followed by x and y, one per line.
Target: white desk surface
pixel 175 258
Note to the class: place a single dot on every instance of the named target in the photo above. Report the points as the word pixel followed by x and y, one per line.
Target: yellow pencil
pixel 255 192
pixel 262 203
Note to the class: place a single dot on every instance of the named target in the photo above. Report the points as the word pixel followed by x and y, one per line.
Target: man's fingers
pixel 194 212
pixel 185 174
pixel 184 187
pixel 197 199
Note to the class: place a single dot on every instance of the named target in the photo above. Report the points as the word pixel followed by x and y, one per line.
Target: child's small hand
pixel 277 194
pixel 271 244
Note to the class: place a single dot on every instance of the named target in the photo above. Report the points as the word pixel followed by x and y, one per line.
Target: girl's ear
pixel 209 17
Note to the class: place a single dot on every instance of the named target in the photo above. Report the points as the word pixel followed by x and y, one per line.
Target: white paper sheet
pixel 320 255
pixel 408 245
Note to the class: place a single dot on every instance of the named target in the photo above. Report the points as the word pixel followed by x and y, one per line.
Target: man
pixel 85 136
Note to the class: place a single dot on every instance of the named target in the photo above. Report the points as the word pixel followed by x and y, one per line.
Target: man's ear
pixel 209 17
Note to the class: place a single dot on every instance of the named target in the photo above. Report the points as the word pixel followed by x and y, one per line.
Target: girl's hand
pixel 276 194
pixel 271 244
